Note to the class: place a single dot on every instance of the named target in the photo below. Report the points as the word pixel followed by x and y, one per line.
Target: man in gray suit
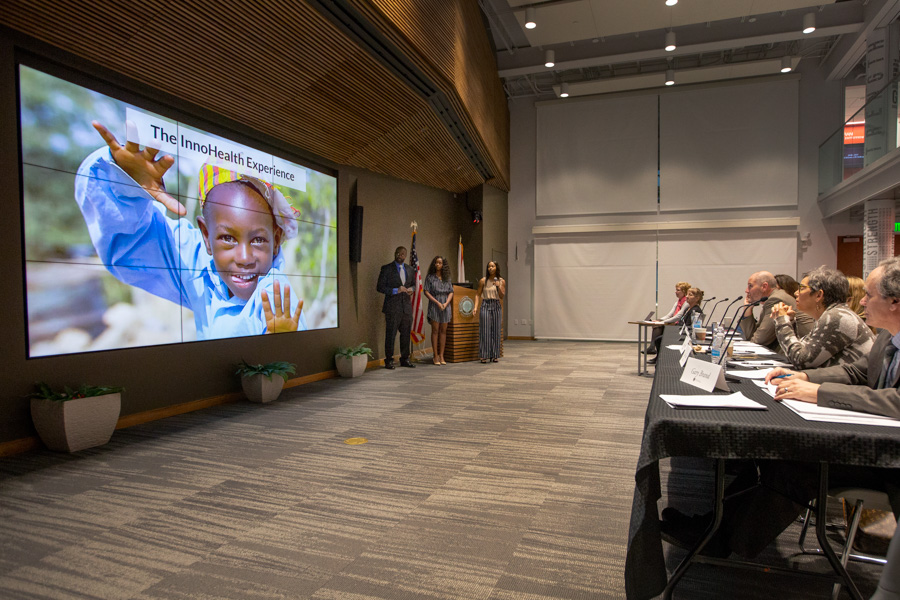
pixel 762 285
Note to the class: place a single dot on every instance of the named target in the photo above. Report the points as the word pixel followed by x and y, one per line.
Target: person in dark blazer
pixel 396 281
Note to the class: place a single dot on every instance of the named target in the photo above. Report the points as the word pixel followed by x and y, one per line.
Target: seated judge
pixel 763 285
pixel 839 335
pixel 762 501
pixel 673 316
pixel 693 298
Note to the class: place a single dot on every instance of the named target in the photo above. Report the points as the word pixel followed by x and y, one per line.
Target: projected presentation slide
pixel 141 230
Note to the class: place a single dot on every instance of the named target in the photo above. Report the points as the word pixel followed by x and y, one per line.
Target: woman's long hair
pixel 487 270
pixel 445 270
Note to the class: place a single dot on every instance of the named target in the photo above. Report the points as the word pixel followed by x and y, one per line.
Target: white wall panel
pixel 597 156
pixel 729 147
pixel 589 287
pixel 720 261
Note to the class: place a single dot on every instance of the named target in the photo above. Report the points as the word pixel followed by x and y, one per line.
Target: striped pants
pixel 489 317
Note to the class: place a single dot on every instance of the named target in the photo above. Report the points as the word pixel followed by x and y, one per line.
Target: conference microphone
pixel 703 308
pixel 713 311
pixel 727 308
pixel 742 310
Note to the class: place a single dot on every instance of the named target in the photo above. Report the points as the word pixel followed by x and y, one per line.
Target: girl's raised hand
pixel 277 320
pixel 142 166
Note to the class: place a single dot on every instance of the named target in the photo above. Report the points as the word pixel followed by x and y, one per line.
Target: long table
pixel 776 433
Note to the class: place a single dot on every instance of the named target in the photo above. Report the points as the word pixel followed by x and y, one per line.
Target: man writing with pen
pixel 768 495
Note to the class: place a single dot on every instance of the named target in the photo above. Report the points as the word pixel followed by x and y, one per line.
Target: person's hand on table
pixel 792 385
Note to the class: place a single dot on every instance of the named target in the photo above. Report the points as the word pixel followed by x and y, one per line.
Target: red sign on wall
pixel 854 133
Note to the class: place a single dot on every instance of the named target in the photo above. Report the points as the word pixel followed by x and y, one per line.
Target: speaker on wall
pixel 356 229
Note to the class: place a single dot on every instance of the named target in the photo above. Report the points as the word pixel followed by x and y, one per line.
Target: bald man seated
pixel 762 285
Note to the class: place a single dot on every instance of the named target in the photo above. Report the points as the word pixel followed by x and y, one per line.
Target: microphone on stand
pixel 725 314
pixel 703 308
pixel 713 311
pixel 734 331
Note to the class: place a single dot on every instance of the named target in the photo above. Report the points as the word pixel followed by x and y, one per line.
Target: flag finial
pixel 414 226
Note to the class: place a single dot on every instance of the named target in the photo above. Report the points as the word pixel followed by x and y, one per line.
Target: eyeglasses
pixel 803 287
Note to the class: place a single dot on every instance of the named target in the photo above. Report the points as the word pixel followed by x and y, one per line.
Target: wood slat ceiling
pixel 283 69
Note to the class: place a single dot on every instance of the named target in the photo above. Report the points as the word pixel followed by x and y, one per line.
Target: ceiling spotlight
pixel 670 41
pixel 786 64
pixel 549 58
pixel 564 90
pixel 671 2
pixel 670 77
pixel 529 18
pixel 809 22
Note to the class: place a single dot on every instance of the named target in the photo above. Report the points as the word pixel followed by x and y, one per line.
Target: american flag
pixel 418 316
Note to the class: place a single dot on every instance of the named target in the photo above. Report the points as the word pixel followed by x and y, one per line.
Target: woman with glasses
pixel 839 336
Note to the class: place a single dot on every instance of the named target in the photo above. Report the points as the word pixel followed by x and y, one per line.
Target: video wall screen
pixel 142 230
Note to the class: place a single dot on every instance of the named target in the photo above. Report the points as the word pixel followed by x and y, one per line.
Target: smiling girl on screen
pixel 225 271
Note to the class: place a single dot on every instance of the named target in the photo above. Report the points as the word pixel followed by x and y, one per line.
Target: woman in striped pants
pixel 491 290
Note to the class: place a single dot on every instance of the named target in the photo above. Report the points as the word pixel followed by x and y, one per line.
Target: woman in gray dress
pixel 439 291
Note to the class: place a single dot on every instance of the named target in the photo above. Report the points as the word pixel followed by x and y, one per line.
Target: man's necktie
pixel 888 376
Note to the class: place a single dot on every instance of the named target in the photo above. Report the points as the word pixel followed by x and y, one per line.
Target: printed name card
pixel 704 375
pixel 686 350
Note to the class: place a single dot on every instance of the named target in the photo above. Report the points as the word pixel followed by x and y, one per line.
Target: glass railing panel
pixel 866 136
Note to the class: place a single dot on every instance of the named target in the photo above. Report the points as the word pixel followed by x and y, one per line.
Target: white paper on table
pixel 769 388
pixel 814 412
pixel 757 374
pixel 745 347
pixel 759 363
pixel 735 400
pixel 674 346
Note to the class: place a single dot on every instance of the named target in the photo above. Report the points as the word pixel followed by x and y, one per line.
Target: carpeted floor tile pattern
pixel 494 482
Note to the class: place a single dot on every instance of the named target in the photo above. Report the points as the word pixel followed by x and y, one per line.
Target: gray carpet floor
pixel 502 481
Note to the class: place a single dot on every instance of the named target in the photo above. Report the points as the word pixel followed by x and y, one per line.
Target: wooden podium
pixel 462 333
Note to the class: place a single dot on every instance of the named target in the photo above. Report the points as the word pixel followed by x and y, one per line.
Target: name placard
pixel 704 375
pixel 686 350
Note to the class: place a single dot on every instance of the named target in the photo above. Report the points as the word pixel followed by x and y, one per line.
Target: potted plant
pixel 263 383
pixel 352 362
pixel 75 419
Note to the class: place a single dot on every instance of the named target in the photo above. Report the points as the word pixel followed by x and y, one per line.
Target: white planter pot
pixel 76 424
pixel 262 389
pixel 353 366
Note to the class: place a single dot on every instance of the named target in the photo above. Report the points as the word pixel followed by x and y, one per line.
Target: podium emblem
pixel 466 307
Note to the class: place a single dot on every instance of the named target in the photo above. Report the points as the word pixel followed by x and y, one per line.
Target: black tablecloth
pixel 776 433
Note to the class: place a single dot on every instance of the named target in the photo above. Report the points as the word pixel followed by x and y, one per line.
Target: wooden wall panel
pixel 449 38
pixel 276 66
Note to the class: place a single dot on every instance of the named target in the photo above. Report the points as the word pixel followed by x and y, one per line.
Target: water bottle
pixel 718 344
pixel 696 323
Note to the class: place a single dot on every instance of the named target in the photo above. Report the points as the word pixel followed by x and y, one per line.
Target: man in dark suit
pixel 396 282
pixel 755 512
